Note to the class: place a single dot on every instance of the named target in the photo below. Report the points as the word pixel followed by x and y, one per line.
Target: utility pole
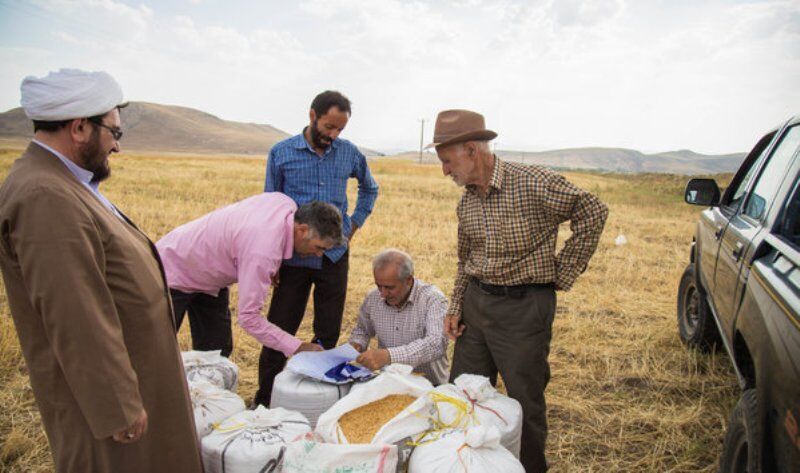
pixel 421 137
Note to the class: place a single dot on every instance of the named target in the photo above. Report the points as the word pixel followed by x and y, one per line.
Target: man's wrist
pixel 388 356
pixel 357 220
pixel 395 356
pixel 564 280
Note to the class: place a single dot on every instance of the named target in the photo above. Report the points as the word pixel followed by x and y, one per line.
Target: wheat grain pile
pixel 361 424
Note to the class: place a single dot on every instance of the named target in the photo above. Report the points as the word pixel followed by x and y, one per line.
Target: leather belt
pixel 510 291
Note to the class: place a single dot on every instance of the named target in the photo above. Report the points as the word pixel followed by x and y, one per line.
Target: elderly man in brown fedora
pixel 504 300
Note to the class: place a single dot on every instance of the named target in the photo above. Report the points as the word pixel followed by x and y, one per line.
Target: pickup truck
pixel 741 291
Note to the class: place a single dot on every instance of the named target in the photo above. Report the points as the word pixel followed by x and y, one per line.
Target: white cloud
pixel 546 73
pixel 98 20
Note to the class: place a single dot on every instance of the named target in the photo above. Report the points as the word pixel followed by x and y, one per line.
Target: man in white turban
pixel 87 292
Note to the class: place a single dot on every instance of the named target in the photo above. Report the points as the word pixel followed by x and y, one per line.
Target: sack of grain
pixel 399 373
pixel 472 400
pixel 212 367
pixel 307 396
pixel 476 450
pixel 212 404
pixel 398 409
pixel 309 454
pixel 252 441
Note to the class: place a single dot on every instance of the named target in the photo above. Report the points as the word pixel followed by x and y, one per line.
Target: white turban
pixel 68 94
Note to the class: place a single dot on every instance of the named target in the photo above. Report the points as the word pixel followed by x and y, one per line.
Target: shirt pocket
pixel 343 169
pixel 300 177
pixel 517 234
pixel 419 329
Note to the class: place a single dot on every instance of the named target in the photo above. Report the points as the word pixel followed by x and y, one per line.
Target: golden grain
pixel 361 424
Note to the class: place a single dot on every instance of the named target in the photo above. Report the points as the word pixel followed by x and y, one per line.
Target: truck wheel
pixel 695 322
pixel 741 452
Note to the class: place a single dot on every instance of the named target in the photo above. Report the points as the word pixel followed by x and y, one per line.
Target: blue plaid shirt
pixel 294 168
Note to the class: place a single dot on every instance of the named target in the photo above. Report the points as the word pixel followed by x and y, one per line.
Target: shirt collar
pixel 496 180
pixel 83 175
pixel 299 142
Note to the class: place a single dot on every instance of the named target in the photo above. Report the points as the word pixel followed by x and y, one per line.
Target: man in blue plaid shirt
pixel 315 165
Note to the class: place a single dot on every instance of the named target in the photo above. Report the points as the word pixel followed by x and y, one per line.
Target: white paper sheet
pixel 315 364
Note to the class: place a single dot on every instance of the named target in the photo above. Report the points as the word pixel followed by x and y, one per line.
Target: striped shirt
pixel 413 333
pixel 295 169
pixel 508 237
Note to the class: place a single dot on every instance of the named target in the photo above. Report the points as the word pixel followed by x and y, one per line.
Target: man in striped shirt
pixel 407 317
pixel 315 165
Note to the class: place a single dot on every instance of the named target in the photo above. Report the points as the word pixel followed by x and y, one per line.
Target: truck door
pixel 714 221
pixel 778 273
pixel 747 223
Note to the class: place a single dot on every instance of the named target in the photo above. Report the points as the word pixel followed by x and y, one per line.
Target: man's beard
pixel 94 159
pixel 319 140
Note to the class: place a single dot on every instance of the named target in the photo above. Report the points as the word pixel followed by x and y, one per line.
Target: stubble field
pixel 624 395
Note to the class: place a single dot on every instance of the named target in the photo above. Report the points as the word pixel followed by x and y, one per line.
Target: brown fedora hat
pixel 458 126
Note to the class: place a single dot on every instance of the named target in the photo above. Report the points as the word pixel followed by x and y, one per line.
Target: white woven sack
pixel 307 396
pixel 211 366
pixel 412 421
pixel 476 450
pixel 311 455
pixel 252 441
pixel 212 404
pixel 402 374
pixel 472 401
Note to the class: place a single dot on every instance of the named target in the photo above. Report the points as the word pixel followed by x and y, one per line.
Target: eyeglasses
pixel 115 132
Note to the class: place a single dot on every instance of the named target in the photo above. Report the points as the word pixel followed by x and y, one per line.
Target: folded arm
pixel 587 216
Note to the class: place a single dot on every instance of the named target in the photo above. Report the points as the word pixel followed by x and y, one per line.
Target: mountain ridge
pixel 172 129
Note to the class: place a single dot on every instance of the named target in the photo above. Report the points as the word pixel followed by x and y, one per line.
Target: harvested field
pixel 625 396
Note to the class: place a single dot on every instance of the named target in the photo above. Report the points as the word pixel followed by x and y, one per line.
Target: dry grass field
pixel 625 395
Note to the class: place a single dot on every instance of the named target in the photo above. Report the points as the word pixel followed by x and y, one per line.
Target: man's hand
pixel 453 327
pixel 374 359
pixel 358 347
pixel 276 279
pixel 133 432
pixel 352 231
pixel 308 346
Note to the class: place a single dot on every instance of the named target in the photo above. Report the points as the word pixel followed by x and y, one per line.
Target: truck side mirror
pixel 703 192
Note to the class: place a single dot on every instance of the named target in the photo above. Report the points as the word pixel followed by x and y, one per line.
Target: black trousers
pixel 209 319
pixel 511 335
pixel 288 306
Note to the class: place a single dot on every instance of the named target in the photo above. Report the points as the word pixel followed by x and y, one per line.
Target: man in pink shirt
pixel 244 242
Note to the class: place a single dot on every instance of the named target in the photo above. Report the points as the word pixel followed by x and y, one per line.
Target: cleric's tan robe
pixel 92 312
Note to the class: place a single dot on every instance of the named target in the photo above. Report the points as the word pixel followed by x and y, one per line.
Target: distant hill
pixel 171 129
pixel 628 160
pixel 168 128
pixel 616 160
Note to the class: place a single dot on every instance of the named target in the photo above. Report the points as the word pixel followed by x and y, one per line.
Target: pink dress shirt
pixel 244 242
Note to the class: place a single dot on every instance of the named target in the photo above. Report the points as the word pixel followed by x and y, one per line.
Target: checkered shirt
pixel 509 236
pixel 413 333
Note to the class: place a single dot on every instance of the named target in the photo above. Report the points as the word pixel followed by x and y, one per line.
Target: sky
pixel 653 75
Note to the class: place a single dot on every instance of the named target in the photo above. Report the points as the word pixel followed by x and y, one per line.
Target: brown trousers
pixel 511 335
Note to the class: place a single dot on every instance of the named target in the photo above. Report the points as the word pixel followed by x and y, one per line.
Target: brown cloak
pixel 92 312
